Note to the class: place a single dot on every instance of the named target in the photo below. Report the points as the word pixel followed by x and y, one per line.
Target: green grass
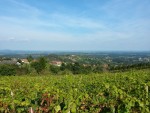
pixel 126 92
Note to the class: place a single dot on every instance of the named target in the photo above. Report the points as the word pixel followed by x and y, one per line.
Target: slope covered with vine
pixel 123 92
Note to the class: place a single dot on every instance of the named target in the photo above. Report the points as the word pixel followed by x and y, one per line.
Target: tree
pixel 77 68
pixel 87 70
pixel 23 70
pixel 7 70
pixel 63 67
pixel 40 65
pixel 29 58
pixel 54 69
pixel 37 67
pixel 42 62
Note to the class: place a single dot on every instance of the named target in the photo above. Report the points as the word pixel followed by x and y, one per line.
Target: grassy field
pixel 123 92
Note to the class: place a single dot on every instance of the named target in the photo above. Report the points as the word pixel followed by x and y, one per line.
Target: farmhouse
pixel 25 61
pixel 56 63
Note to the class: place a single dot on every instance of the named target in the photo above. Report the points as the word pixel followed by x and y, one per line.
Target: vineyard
pixel 122 92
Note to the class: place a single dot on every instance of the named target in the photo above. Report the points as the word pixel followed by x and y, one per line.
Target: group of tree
pixel 39 65
pixel 128 67
pixel 74 68
pixel 11 69
pixel 24 69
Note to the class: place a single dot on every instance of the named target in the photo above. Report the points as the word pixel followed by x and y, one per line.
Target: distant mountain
pixel 10 52
pixel 22 52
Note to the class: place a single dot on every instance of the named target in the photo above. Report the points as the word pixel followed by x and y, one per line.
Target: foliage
pixel 29 58
pixel 12 69
pixel 42 61
pixel 123 92
pixel 22 70
pixel 76 68
pixel 39 65
pixel 54 69
pixel 7 69
pixel 129 67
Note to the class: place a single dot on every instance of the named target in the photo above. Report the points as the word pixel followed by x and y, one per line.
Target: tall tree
pixel 40 65
pixel 29 58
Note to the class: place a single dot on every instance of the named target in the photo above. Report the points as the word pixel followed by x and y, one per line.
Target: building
pixel 8 62
pixel 56 63
pixel 25 61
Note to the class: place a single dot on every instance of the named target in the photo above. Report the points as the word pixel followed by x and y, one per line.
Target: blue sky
pixel 95 25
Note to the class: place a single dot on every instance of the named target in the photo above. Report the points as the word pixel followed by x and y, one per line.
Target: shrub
pixel 7 70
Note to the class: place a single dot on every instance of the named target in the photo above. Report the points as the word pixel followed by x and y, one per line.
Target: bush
pixel 7 70
pixel 40 65
pixel 54 69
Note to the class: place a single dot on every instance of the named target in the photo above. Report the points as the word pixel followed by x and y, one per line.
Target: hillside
pixel 123 92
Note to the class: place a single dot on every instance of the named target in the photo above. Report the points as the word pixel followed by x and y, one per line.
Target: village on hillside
pixel 74 63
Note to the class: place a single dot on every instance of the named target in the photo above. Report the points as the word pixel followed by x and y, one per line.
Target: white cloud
pixel 26 9
pixel 43 27
pixel 75 21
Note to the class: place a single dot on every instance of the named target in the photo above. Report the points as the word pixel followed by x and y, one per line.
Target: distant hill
pixel 105 53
